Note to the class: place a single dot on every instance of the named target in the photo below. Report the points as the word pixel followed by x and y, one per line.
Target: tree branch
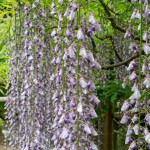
pixel 103 38
pixel 125 62
pixel 113 23
pixel 114 48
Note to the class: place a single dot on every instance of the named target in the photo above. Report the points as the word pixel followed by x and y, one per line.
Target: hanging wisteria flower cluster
pixel 51 98
pixel 29 110
pixel 136 109
pixel 73 98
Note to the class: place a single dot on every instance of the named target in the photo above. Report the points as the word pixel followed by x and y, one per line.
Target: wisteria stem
pixel 78 76
pixel 140 60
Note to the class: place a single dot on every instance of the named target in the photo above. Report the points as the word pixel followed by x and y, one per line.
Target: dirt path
pixel 1 147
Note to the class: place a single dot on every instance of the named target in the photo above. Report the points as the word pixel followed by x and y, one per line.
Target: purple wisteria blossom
pixel 138 136
pixel 29 109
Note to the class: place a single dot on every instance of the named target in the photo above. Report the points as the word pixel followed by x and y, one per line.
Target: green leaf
pixel 1 123
pixel 26 2
pixel 7 6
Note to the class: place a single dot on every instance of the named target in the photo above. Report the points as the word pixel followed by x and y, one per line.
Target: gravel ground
pixel 2 148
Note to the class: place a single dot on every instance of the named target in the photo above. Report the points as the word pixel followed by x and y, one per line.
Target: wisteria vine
pixel 136 108
pixel 30 102
pixel 51 98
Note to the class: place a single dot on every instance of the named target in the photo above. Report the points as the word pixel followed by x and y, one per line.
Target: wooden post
pixel 108 130
pixel 115 135
pixel 3 99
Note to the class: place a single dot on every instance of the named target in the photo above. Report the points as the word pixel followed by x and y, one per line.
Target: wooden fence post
pixel 108 130
pixel 3 99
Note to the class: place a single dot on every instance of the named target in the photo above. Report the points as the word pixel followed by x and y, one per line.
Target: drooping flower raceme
pixel 28 105
pixel 74 98
pixel 137 136
pixel 51 100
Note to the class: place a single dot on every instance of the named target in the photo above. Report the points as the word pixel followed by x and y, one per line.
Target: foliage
pixel 6 13
pixel 114 26
pixel 112 94
pixel 1 123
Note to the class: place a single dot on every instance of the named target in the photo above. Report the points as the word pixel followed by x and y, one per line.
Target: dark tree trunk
pixel 108 130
